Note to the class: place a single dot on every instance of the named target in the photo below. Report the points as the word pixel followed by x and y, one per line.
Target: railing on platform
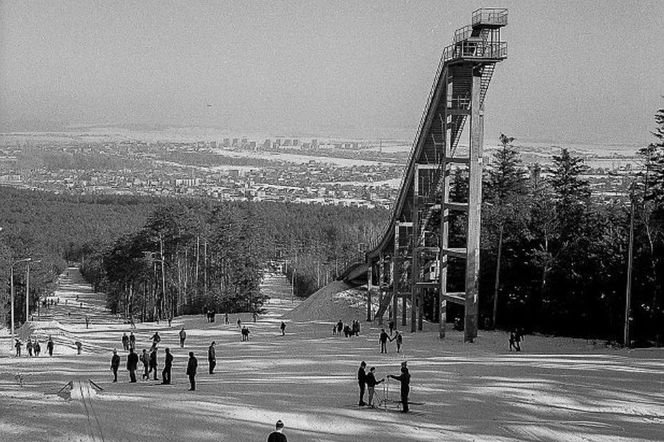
pixel 490 16
pixel 463 33
pixel 458 102
pixel 475 49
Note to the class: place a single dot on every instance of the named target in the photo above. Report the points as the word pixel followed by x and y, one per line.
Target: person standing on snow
pixel 125 341
pixel 115 364
pixel 362 381
pixel 399 338
pixel 283 328
pixel 168 364
pixel 49 346
pixel 153 362
pixel 404 378
pixel 183 336
pixel 383 340
pixel 371 384
pixel 191 370
pixel 132 363
pixel 145 359
pixel 212 357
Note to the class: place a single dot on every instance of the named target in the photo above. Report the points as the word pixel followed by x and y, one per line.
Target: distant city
pixel 360 173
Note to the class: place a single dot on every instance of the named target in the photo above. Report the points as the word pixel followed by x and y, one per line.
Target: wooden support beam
pixel 456 252
pixel 474 204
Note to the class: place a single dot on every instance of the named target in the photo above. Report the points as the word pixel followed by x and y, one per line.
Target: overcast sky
pixel 578 71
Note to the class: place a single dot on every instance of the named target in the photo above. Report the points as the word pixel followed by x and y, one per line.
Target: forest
pixel 554 253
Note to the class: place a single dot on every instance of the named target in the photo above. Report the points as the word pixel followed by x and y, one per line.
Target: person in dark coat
pixel 371 384
pixel 283 328
pixel 362 381
pixel 132 340
pixel 28 346
pixel 183 336
pixel 191 370
pixel 79 347
pixel 37 348
pixel 340 326
pixel 115 364
pixel 168 364
pixel 132 363
pixel 212 357
pixel 49 346
pixel 125 341
pixel 18 346
pixel 383 340
pixel 399 338
pixel 156 339
pixel 404 378
pixel 145 359
pixel 153 363
pixel 277 435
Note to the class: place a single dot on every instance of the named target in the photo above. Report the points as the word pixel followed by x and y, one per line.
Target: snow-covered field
pixel 556 389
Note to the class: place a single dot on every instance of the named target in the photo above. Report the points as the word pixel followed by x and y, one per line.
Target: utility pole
pixel 628 288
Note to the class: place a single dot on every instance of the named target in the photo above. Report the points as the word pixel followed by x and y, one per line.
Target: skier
pixel 283 328
pixel 18 346
pixel 404 378
pixel 239 323
pixel 340 326
pixel 49 346
pixel 115 364
pixel 362 380
pixel 212 358
pixel 37 348
pixel 277 435
pixel 145 359
pixel 125 341
pixel 132 362
pixel 153 362
pixel 191 370
pixel 79 347
pixel 183 336
pixel 168 364
pixel 87 322
pixel 383 340
pixel 132 340
pixel 245 333
pixel 371 384
pixel 28 346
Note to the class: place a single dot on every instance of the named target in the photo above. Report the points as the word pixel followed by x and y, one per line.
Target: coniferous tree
pixel 505 191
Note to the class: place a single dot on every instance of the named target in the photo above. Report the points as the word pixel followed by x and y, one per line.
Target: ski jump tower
pixel 410 264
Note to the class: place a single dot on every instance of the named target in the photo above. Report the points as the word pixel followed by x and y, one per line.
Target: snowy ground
pixel 556 389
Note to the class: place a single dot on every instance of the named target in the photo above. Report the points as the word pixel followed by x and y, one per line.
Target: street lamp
pixel 11 281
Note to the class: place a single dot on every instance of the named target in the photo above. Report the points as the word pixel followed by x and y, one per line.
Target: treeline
pixel 193 256
pixel 50 229
pixel 555 255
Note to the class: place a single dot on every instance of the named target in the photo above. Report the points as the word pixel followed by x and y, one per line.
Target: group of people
pixel 384 337
pixel 34 348
pixel 352 329
pixel 368 381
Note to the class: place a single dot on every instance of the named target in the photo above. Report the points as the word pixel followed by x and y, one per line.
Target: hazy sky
pixel 584 71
